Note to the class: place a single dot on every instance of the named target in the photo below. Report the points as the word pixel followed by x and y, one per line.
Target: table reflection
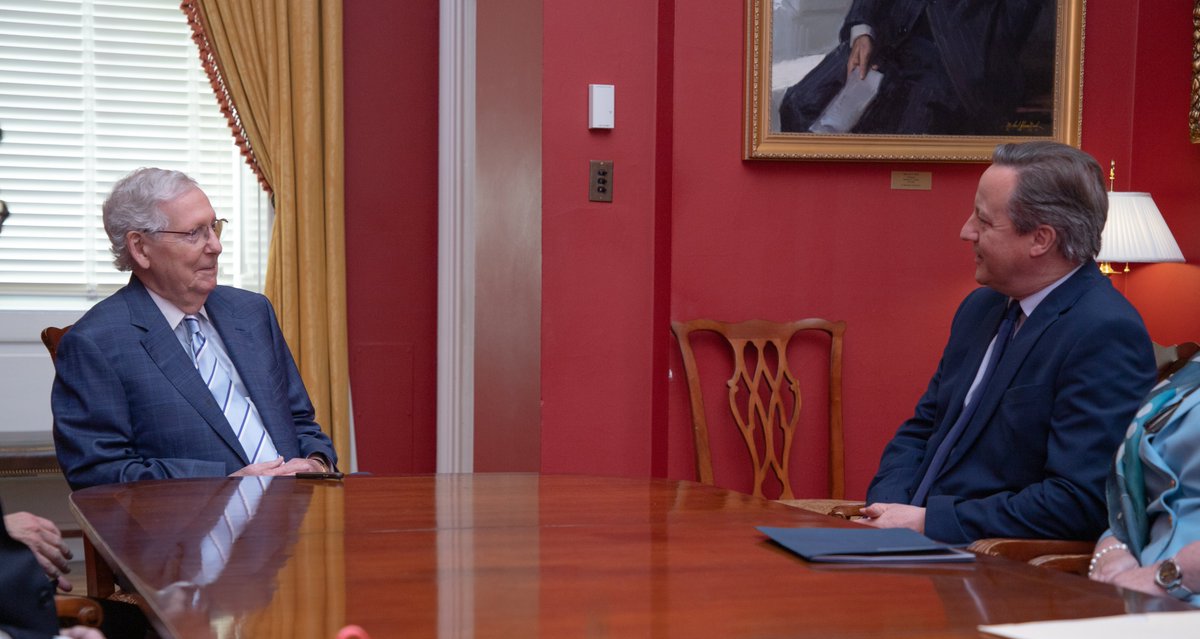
pixel 228 560
pixel 533 556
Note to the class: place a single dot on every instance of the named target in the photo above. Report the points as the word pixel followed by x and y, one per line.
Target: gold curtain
pixel 276 66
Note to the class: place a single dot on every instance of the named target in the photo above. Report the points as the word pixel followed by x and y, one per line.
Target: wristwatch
pixel 1170 578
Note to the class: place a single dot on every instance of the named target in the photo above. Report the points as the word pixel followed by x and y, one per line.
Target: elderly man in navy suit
pixel 1044 369
pixel 173 375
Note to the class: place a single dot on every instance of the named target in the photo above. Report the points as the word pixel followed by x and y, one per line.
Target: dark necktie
pixel 1003 337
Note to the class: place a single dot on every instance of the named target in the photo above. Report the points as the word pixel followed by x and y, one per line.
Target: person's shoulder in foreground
pixel 27 607
pixel 33 559
pixel 1153 541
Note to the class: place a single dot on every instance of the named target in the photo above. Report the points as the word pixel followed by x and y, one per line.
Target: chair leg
pixel 101 583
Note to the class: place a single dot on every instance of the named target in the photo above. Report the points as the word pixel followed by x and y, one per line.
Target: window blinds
pixel 90 90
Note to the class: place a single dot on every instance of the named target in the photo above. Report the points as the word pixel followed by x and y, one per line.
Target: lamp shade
pixel 1136 231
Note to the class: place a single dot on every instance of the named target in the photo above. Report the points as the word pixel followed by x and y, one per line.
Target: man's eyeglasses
pixel 198 234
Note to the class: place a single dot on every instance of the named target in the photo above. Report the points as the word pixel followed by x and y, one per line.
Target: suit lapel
pixel 164 349
pixel 971 364
pixel 1044 316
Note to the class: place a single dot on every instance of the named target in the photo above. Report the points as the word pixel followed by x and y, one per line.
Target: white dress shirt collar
pixel 171 312
pixel 1030 302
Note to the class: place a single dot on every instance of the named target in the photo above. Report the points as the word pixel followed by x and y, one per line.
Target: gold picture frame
pixel 1194 111
pixel 767 82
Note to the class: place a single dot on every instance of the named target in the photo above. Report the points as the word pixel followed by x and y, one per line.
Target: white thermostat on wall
pixel 600 106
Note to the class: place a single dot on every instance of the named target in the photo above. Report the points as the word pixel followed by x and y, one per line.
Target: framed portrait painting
pixel 919 80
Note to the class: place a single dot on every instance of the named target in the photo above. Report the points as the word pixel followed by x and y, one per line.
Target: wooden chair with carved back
pixel 764 400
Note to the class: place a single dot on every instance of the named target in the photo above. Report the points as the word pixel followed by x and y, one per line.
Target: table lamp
pixel 1135 232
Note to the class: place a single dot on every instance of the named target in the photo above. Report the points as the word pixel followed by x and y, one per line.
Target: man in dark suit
pixel 173 375
pixel 949 68
pixel 27 608
pixel 1036 437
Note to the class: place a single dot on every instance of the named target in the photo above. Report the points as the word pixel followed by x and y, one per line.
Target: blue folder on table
pixel 866 545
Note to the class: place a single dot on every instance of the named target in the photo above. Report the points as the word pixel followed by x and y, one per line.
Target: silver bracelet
pixel 1100 553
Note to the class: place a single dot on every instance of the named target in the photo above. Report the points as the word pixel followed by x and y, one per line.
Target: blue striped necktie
pixel 238 410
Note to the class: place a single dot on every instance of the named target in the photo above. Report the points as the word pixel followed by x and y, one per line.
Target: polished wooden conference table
pixel 524 555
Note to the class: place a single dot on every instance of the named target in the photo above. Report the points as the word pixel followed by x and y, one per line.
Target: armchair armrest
pixel 841 508
pixel 848 510
pixel 1059 554
pixel 76 610
pixel 1076 564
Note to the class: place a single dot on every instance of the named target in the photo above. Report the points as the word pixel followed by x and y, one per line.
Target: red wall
pixel 391 93
pixel 598 258
pixel 788 240
pixel 1165 164
pixel 780 240
pixel 695 231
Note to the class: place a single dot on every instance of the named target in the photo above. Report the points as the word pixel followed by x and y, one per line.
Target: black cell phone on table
pixel 330 474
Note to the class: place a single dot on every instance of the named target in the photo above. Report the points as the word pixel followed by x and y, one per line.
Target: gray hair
pixel 133 203
pixel 1061 187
